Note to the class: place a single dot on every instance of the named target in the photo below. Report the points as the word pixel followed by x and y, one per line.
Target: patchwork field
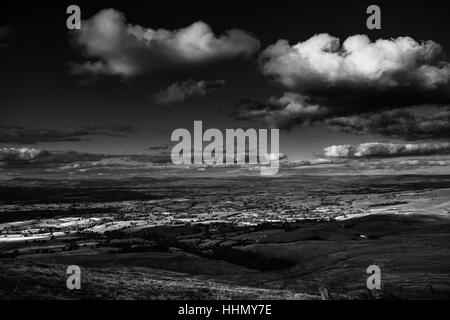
pixel 236 238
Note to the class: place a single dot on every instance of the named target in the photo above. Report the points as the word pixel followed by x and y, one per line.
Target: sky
pixel 137 70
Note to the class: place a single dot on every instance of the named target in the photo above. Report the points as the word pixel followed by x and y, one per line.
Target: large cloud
pixel 384 149
pixel 181 90
pixel 25 135
pixel 325 79
pixel 118 48
pixel 322 61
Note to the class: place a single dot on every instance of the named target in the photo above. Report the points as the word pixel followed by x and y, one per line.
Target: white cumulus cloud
pixel 118 48
pixel 384 63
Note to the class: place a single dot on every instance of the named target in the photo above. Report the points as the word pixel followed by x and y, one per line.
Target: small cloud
pixel 162 158
pixel 26 135
pixel 41 156
pixel 115 130
pixel 182 90
pixel 21 154
pixel 159 147
pixel 282 113
pixel 36 156
pixel 385 150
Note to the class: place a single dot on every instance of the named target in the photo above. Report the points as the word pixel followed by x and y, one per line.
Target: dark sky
pixel 38 91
